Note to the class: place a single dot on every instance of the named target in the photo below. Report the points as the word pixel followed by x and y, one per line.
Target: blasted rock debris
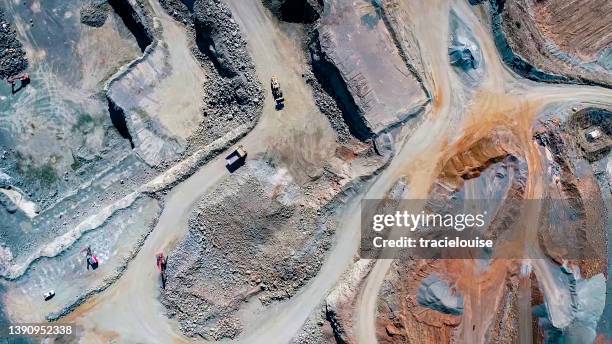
pixel 234 94
pixel 150 134
pixel 94 13
pixel 13 58
pixel 242 244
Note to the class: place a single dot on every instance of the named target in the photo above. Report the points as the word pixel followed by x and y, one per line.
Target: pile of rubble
pixel 234 95
pixel 94 13
pixel 13 59
pixel 257 234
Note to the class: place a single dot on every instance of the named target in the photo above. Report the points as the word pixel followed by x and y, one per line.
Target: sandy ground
pixel 130 311
pixel 134 298
pixel 180 95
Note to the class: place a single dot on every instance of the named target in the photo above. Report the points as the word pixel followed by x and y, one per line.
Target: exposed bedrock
pixel 570 148
pixel 117 117
pixel 94 12
pixel 330 78
pixel 58 143
pixel 343 61
pixel 135 20
pixel 554 41
pixel 587 300
pixel 496 158
pixel 408 310
pixel 496 168
pixel 437 294
pixel 13 59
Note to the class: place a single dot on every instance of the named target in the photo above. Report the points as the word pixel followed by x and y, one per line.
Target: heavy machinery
pixel 277 93
pixel 160 263
pixel 235 159
pixel 90 258
pixel 23 77
pixel 49 295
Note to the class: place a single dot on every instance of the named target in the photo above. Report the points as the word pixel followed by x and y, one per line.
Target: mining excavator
pixel 23 77
pixel 90 259
pixel 160 263
pixel 277 93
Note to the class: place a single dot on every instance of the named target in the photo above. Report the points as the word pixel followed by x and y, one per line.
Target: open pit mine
pixel 203 171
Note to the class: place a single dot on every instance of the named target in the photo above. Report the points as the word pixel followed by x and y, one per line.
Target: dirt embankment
pixel 497 299
pixel 583 239
pixel 259 234
pixel 233 93
pixel 137 19
pixel 535 41
pixel 13 58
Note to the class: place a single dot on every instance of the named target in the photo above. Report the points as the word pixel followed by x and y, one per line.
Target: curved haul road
pixel 130 311
pixel 504 99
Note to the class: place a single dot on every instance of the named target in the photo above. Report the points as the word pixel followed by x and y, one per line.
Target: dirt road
pixel 130 310
pixel 502 99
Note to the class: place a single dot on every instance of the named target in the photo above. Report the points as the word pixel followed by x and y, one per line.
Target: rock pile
pixel 234 95
pixel 94 13
pixel 253 236
pixel 435 293
pixel 12 55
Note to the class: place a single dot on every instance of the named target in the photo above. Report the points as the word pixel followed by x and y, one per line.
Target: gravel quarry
pixel 118 119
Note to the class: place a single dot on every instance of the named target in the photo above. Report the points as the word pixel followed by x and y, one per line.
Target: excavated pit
pixel 332 82
pixel 133 22
pixel 586 122
pixel 554 47
pixel 117 117
pixel 295 11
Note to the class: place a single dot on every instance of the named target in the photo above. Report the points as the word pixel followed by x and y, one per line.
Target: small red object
pixel 160 262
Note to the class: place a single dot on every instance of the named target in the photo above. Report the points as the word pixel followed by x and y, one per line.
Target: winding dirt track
pixel 503 99
pixel 130 311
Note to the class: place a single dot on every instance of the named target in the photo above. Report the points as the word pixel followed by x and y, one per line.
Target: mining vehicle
pixel 235 159
pixel 24 77
pixel 277 93
pixel 160 263
pixel 49 295
pixel 90 259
